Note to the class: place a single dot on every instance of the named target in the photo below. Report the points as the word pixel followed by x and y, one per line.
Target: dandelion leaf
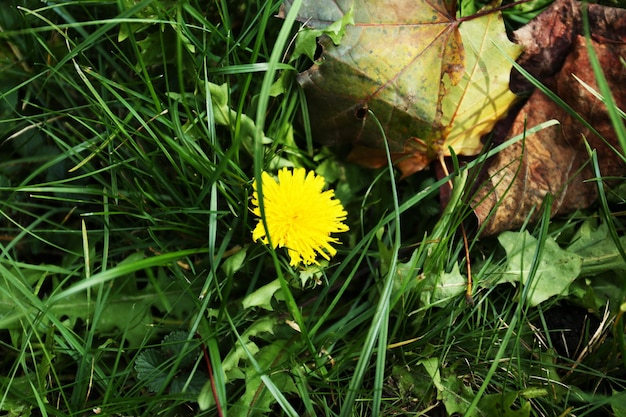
pixel 432 365
pixel 557 269
pixel 432 81
pixel 234 263
pixel 593 242
pixel 504 405
pixel 262 297
pixel 442 288
pixel 618 404
pixel 257 399
pixel 128 309
pixel 457 394
pixel 603 261
pixel 230 364
pixel 236 365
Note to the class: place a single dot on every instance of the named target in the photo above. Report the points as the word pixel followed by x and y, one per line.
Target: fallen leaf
pixel 432 81
pixel 548 38
pixel 555 160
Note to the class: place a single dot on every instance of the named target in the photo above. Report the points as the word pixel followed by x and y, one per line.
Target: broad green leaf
pixel 306 42
pixel 257 400
pixel 504 405
pixel 234 263
pixel 457 394
pixel 431 80
pixel 406 274
pixel 153 366
pixel 598 250
pixel 148 366
pixel 206 399
pixel 230 365
pixel 161 10
pixel 436 286
pixel 557 269
pixel 126 308
pixel 18 396
pixel 533 392
pixel 432 368
pixel 262 297
pixel 443 287
pixel 618 404
pixel 451 390
pixel 410 383
pixel 224 115
pixel 173 345
pixel 602 264
pixel 311 275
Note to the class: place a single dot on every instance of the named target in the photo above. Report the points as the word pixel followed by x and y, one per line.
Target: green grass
pixel 129 283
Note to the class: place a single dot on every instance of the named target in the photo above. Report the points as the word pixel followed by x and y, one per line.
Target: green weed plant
pixel 129 284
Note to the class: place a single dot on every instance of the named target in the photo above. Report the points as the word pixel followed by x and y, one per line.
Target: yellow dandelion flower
pixel 300 216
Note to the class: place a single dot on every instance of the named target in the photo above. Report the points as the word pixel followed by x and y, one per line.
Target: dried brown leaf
pixel 555 160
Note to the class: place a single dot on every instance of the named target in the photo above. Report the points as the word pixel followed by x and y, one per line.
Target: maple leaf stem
pixel 444 167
